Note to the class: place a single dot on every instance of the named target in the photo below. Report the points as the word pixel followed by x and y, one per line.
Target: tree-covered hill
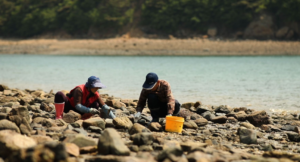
pixel 181 18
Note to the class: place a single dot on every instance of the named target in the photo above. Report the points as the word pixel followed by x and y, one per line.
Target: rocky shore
pixel 29 132
pixel 125 46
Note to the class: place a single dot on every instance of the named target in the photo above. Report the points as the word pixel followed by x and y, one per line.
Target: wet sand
pixel 144 47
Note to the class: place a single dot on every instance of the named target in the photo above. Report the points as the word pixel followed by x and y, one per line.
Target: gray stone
pixel 223 109
pixel 81 131
pixel 247 136
pixel 208 115
pixel 110 142
pixel 170 154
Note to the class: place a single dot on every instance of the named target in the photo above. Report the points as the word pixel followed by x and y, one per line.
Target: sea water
pixel 258 82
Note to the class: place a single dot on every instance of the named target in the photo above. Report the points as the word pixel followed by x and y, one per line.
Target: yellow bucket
pixel 174 124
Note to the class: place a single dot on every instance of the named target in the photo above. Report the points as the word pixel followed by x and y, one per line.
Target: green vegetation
pixel 26 18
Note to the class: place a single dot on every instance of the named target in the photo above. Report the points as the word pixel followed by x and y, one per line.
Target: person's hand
pixel 169 115
pixel 137 115
pixel 94 111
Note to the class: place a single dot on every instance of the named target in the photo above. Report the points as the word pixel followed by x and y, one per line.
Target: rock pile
pixel 29 132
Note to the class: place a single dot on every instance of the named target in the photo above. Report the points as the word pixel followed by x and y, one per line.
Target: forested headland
pixel 240 19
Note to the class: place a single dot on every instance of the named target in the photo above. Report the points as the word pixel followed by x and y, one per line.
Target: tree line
pixel 27 18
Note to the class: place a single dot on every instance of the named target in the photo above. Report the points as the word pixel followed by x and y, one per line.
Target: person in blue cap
pixel 85 99
pixel 159 96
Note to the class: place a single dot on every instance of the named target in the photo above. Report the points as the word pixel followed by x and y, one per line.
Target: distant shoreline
pixel 149 47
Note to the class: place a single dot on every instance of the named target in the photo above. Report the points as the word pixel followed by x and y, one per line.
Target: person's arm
pixel 142 101
pixel 101 101
pixel 170 99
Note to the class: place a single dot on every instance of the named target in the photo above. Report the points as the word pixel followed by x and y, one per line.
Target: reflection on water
pixel 256 82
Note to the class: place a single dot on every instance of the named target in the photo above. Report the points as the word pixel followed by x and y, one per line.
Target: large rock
pixel 21 111
pixel 3 87
pixel 138 128
pixel 111 143
pixel 6 124
pixel 71 116
pixel 97 122
pixel 247 136
pixel 261 28
pixel 142 139
pixel 22 123
pixel 293 136
pixel 258 118
pixel 11 141
pixel 81 140
pixel 190 124
pixel 122 122
pixel 48 152
pixel 72 149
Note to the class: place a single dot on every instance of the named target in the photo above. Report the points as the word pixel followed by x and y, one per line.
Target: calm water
pixel 255 82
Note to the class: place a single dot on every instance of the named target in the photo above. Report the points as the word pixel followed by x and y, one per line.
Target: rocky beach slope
pixel 29 132
pixel 141 46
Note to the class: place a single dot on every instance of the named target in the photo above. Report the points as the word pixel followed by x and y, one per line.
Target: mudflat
pixel 145 47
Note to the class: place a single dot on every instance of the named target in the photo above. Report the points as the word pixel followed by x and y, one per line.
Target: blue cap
pixel 94 82
pixel 151 79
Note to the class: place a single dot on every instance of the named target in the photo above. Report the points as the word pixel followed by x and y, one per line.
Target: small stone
pixel 109 123
pixel 134 148
pixel 201 122
pixel 223 109
pixel 219 119
pixel 171 154
pixel 208 115
pixel 293 136
pixel 46 107
pixel 232 119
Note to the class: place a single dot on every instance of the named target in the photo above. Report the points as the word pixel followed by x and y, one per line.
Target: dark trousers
pixel 61 97
pixel 160 109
